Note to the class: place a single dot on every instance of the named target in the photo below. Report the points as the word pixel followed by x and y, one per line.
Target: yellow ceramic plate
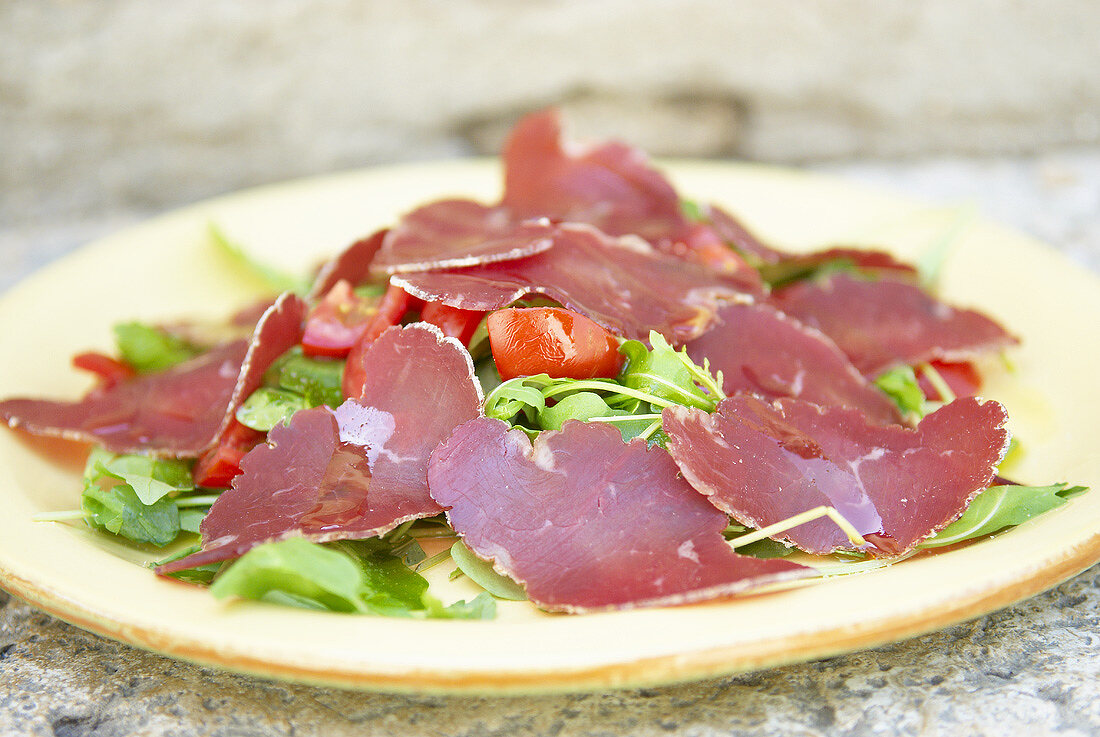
pixel 167 268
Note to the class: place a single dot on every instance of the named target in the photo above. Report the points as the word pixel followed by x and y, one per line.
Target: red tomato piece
pixel 110 371
pixel 454 322
pixel 216 467
pixel 962 378
pixel 554 341
pixel 395 303
pixel 336 322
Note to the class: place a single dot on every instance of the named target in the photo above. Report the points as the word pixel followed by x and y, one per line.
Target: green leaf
pixel 785 272
pixel 149 349
pixel 201 575
pixel 581 406
pixel 117 509
pixel 298 572
pixel 482 606
pixel 999 507
pixel 271 277
pixel 766 548
pixel 693 211
pixel 388 585
pixel 316 379
pixel 667 374
pixel 151 478
pixel 266 407
pixel 482 573
pixel 900 384
pixel 517 395
pixel 191 517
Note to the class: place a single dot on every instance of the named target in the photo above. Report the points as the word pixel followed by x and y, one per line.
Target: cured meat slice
pixel 585 521
pixel 357 471
pixel 764 463
pixel 611 185
pixel 620 283
pixel 884 323
pixel 733 232
pixel 455 233
pixel 760 350
pixel 351 265
pixel 178 412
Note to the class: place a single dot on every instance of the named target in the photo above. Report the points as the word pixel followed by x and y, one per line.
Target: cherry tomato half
pixel 336 322
pixel 962 378
pixel 216 467
pixel 395 303
pixel 454 322
pixel 551 340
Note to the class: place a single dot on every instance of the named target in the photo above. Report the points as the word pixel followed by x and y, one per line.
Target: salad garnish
pixel 595 394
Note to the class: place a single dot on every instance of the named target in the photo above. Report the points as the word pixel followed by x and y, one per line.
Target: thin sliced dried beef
pixel 883 323
pixel 585 521
pixel 456 233
pixel 760 350
pixel 351 265
pixel 357 471
pixel 764 463
pixel 622 284
pixel 177 412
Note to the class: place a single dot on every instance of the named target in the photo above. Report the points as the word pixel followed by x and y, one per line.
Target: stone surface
pixel 1029 669
pixel 148 104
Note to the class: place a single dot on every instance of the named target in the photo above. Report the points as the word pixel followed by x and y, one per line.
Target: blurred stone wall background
pixel 108 104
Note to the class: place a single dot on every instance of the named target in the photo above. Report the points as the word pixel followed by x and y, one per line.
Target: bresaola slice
pixel 620 283
pixel 587 522
pixel 351 265
pixel 357 471
pixel 178 412
pixel 456 233
pixel 760 350
pixel 882 323
pixel 764 463
pixel 610 185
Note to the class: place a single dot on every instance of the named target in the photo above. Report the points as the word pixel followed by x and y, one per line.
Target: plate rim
pixel 670 668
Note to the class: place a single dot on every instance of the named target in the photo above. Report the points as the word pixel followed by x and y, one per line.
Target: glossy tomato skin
pixel 216 467
pixel 551 340
pixel 335 323
pixel 395 303
pixel 452 321
pixel 963 379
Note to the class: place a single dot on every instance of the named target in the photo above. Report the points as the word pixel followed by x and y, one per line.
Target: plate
pixel 167 268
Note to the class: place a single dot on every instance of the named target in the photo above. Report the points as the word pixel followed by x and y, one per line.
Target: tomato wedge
pixel 336 322
pixel 454 322
pixel 961 377
pixel 216 467
pixel 395 303
pixel 110 371
pixel 551 340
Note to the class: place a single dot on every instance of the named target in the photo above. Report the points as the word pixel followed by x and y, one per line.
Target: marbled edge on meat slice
pixel 750 451
pixel 727 355
pixel 459 233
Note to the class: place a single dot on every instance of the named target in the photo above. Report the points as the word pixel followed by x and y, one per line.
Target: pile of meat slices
pixel 584 520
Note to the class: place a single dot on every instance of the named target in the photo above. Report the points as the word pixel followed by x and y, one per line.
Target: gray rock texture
pixel 150 103
pixel 1028 670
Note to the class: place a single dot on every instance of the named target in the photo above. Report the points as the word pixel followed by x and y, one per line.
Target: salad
pixel 595 394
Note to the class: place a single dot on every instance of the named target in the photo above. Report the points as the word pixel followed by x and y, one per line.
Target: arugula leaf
pixel 266 407
pixel 785 272
pixel 269 276
pixel 150 349
pixel 190 518
pixel 118 510
pixel 298 572
pixel 482 606
pixel 388 586
pixel 151 478
pixel 999 507
pixel 484 575
pixel 660 372
pixel 900 384
pixel 201 575
pixel 318 380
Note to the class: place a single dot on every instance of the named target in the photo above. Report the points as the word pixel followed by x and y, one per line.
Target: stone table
pixel 1029 669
